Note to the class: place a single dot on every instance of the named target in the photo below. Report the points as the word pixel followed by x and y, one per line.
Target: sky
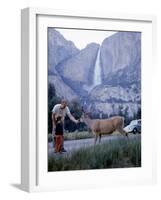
pixel 83 37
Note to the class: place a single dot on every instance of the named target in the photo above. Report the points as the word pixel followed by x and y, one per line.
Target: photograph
pixel 94 99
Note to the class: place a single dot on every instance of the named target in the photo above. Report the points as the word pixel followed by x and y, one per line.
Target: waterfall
pixel 97 71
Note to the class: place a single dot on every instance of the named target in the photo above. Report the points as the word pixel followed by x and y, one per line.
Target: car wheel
pixel 134 131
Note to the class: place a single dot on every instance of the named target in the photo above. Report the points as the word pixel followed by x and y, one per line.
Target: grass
pixel 78 135
pixel 74 136
pixel 119 153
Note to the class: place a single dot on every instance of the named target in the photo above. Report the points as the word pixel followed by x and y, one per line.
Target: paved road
pixel 73 145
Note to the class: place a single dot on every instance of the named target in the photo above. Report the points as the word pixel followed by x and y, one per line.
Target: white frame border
pixel 29 85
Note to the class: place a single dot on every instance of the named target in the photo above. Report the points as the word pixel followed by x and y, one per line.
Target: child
pixel 58 134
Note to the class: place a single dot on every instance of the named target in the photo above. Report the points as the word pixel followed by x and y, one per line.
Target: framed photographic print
pixel 87 112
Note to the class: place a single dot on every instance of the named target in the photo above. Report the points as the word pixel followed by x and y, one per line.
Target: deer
pixel 101 127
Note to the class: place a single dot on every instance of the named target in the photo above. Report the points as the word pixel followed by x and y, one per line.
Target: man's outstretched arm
pixel 72 118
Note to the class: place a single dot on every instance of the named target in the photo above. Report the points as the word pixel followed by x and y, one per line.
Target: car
pixel 134 126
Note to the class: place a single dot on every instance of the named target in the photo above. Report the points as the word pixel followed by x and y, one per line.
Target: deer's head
pixel 84 116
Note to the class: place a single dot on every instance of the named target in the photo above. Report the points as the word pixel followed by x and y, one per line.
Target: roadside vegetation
pixel 121 153
pixel 74 136
pixel 78 135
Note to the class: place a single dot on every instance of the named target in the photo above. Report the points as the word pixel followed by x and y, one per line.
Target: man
pixel 61 110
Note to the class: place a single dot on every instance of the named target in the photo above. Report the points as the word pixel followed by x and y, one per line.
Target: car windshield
pixel 135 122
pixel 139 122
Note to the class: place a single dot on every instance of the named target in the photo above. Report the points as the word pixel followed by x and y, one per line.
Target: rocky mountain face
pixel 78 71
pixel 119 91
pixel 59 49
pixel 121 58
pixel 62 89
pixel 114 100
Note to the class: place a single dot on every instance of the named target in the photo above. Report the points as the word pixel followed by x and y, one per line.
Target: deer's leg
pixel 123 132
pixel 100 138
pixel 95 140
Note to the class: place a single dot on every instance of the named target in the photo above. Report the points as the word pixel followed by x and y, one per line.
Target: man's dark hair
pixel 64 101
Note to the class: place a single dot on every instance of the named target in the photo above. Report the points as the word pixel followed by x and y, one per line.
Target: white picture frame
pixel 34 176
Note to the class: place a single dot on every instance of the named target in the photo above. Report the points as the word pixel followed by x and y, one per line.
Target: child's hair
pixel 58 119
